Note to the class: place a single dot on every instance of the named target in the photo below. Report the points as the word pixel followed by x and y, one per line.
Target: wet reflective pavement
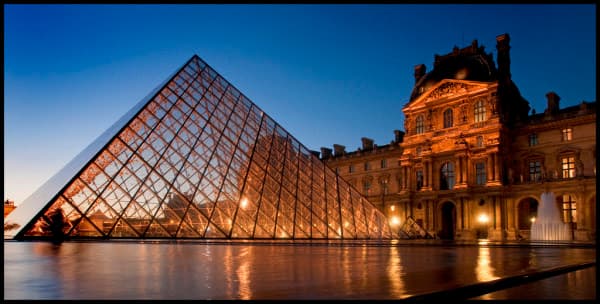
pixel 575 285
pixel 183 270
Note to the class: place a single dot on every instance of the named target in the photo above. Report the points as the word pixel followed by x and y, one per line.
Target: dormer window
pixel 567 134
pixel 533 139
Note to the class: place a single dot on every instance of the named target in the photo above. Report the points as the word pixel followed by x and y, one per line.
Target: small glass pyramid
pixel 197 159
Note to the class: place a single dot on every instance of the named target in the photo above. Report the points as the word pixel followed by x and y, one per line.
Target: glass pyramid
pixel 196 159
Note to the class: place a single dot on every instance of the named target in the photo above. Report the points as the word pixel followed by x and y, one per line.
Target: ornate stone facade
pixel 473 163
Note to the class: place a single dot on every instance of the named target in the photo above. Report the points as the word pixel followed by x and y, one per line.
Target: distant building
pixel 9 206
pixel 471 162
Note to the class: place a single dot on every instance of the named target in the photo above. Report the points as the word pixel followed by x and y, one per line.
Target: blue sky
pixel 327 73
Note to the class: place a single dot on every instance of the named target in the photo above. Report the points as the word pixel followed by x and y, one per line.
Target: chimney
pixel 553 103
pixel 325 153
pixel 339 150
pixel 367 143
pixel 420 71
pixel 398 136
pixel 503 47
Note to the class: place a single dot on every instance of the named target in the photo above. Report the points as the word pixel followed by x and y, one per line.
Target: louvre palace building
pixel 472 161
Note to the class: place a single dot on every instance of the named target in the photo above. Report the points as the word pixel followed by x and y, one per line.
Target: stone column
pixel 403 178
pixel 467 209
pixel 582 211
pixel 465 170
pixel 425 178
pixel 426 223
pixel 510 220
pixel 462 214
pixel 489 171
pixel 498 213
pixel 460 169
pixel 407 177
pixel 430 174
pixel 497 167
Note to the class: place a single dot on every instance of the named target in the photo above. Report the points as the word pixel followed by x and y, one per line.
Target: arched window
pixel 448 118
pixel 447 176
pixel 479 111
pixel 419 125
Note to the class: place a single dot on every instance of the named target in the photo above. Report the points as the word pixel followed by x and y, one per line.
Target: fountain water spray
pixel 548 225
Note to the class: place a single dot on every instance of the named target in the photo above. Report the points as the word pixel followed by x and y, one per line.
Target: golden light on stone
pixel 395 221
pixel 483 218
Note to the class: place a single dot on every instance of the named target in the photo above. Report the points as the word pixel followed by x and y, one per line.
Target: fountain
pixel 549 226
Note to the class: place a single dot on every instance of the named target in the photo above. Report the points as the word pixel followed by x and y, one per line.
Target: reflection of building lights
pixel 392 207
pixel 532 219
pixel 395 221
pixel 346 224
pixel 482 218
pixel 244 203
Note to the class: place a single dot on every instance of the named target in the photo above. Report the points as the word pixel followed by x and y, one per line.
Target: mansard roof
pixel 584 108
pixel 469 63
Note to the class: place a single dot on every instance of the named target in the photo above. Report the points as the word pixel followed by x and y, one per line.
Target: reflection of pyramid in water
pixel 197 159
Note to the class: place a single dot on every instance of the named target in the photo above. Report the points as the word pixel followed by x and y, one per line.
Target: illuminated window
pixel 447 176
pixel 480 173
pixel 419 179
pixel 367 166
pixel 384 163
pixel 448 118
pixel 479 141
pixel 419 125
pixel 567 134
pixel 351 169
pixel 568 166
pixel 535 170
pixel 479 111
pixel 533 140
pixel 569 209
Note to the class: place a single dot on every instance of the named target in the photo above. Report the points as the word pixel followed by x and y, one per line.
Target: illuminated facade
pixel 196 159
pixel 472 162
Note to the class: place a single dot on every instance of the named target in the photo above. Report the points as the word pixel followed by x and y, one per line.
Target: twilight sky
pixel 327 73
